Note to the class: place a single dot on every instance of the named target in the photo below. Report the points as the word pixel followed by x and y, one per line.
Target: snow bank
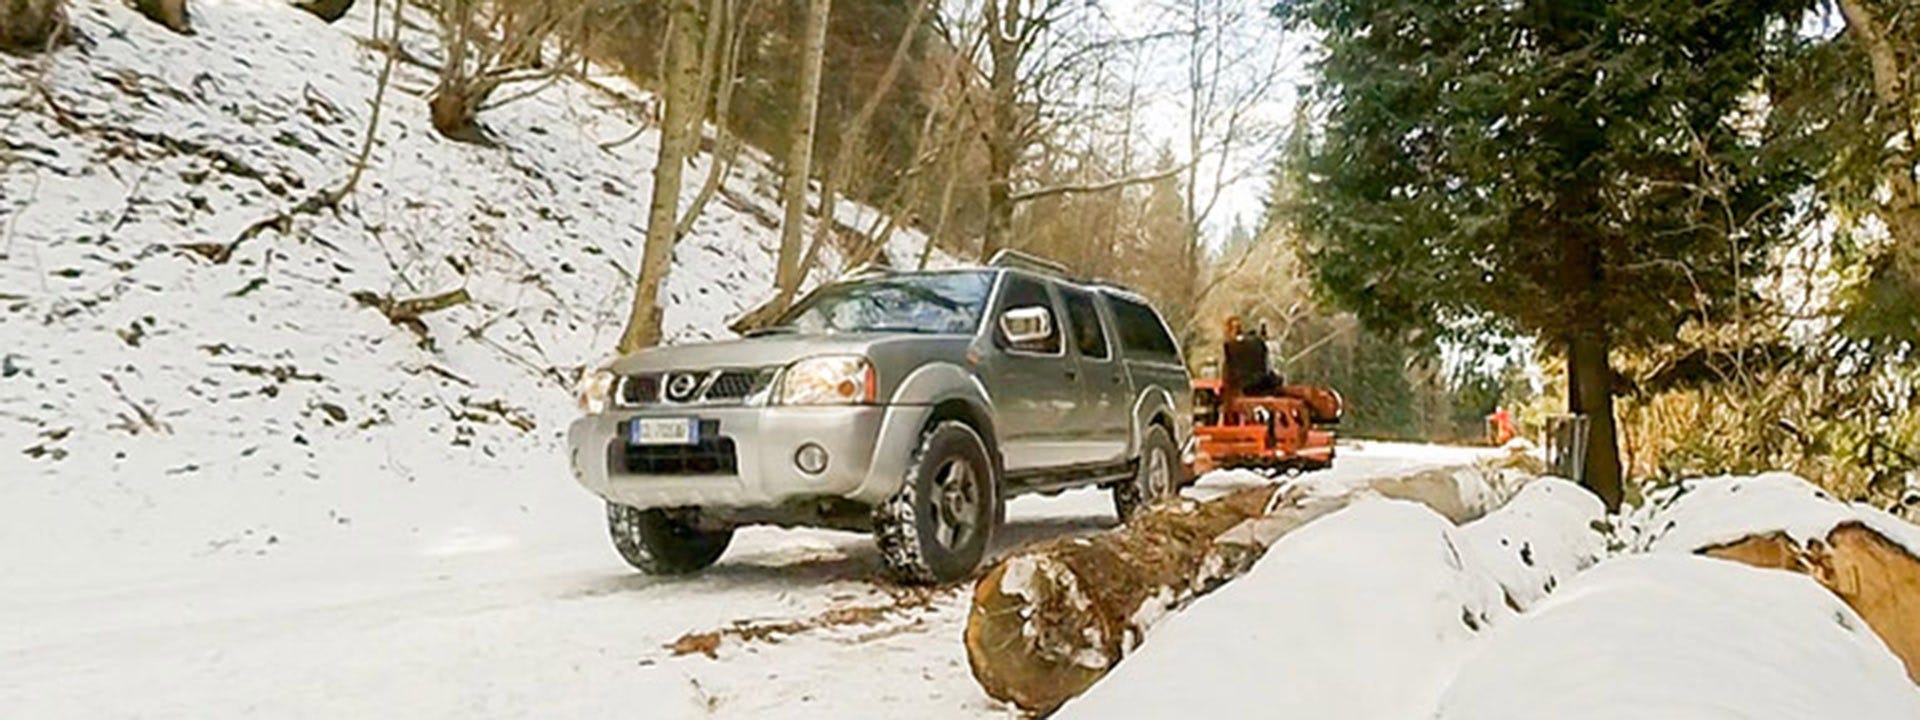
pixel 1683 637
pixel 1717 511
pixel 1540 539
pixel 1361 614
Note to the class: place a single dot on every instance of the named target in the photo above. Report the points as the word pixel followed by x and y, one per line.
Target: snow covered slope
pixel 157 406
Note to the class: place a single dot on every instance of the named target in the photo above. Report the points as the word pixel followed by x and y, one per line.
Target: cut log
pixel 1879 579
pixel 1049 621
pixel 1359 615
pixel 1868 558
pixel 1676 635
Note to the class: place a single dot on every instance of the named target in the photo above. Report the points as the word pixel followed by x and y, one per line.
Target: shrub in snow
pixel 1361 614
pixel 1683 637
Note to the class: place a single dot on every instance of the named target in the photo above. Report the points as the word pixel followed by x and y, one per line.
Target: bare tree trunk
pixel 726 148
pixel 32 26
pixel 1591 393
pixel 451 105
pixel 1895 107
pixel 1003 44
pixel 793 193
pixel 677 141
pixel 946 209
pixel 853 141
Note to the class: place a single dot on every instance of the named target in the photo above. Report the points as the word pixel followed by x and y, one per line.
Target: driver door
pixel 1034 384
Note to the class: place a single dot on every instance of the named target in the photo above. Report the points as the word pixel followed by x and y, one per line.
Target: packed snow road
pixel 550 624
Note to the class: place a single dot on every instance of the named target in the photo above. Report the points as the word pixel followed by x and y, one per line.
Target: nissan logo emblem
pixel 680 387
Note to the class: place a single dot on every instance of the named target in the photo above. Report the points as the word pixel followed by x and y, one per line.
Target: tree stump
pixel 171 14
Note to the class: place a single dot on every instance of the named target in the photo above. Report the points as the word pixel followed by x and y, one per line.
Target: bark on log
pixel 1049 622
pixel 1877 577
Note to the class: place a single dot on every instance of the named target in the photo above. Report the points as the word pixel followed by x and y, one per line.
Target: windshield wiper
pixel 897 328
pixel 772 330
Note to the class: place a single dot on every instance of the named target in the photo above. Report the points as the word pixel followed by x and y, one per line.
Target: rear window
pixel 1142 334
pixel 1088 337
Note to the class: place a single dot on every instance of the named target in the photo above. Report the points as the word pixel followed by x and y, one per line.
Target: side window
pixel 1141 332
pixel 1083 321
pixel 1021 293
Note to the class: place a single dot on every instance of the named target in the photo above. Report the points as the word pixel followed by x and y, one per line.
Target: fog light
pixel 811 458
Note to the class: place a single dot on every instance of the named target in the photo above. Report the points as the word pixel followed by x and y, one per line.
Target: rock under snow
pixel 1540 539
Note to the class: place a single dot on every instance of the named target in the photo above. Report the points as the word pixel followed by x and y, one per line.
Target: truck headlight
pixel 827 380
pixel 594 390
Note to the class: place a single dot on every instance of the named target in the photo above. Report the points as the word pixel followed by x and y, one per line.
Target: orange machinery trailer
pixel 1284 431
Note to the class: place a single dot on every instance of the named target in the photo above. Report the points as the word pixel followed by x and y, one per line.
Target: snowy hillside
pixel 164 406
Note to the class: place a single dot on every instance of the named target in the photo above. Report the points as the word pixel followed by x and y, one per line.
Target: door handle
pixel 1072 374
pixel 1117 380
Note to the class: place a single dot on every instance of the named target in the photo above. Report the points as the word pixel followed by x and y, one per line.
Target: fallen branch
pixel 708 643
pixel 407 313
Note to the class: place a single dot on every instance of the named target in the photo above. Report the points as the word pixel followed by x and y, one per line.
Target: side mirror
pixel 1025 326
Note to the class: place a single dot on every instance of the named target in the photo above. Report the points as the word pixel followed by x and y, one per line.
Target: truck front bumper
pixel 868 448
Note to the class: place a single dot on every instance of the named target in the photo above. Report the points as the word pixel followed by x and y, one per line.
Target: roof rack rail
pixel 1027 261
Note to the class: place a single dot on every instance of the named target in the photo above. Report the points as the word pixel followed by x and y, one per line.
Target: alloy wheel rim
pixel 1159 474
pixel 955 503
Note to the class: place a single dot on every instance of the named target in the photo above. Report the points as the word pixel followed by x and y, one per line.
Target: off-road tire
pixel 908 527
pixel 657 542
pixel 1144 489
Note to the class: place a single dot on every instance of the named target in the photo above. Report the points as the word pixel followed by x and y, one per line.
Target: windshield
pixel 943 303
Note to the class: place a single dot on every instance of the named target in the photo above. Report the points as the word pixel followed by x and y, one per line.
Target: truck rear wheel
pixel 937 528
pixel 1159 475
pixel 659 542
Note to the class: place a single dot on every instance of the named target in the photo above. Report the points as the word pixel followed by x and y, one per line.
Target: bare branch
pixel 1101 186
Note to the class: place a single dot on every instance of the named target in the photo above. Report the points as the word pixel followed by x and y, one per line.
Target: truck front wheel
pixel 659 542
pixel 937 528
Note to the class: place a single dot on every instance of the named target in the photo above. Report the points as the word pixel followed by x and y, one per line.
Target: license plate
pixel 663 431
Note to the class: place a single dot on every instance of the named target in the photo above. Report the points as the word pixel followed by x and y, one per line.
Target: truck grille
pixel 727 386
pixel 737 384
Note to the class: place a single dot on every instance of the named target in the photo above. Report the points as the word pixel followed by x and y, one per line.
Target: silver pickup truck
pixel 908 404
